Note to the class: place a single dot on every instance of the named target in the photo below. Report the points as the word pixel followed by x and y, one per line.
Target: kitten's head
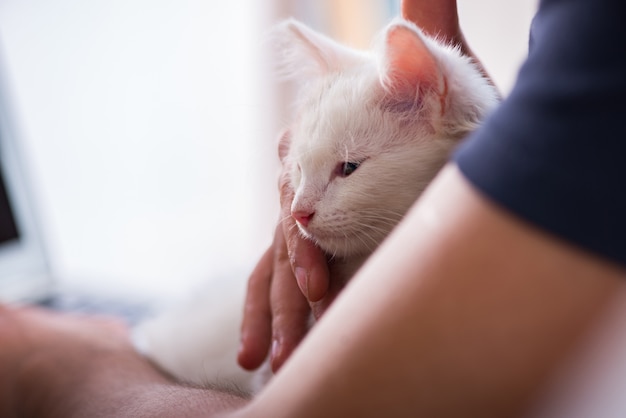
pixel 372 129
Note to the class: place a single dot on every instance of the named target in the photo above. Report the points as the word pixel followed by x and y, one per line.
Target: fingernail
pixel 241 347
pixel 275 349
pixel 303 280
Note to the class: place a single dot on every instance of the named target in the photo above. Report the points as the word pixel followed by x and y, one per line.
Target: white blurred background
pixel 149 126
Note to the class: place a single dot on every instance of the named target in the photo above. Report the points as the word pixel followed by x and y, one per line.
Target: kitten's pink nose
pixel 303 217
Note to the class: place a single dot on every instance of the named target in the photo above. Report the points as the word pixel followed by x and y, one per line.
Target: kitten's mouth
pixel 305 231
pixel 311 232
pixel 337 243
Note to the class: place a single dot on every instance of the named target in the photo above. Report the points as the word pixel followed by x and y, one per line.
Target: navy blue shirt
pixel 554 152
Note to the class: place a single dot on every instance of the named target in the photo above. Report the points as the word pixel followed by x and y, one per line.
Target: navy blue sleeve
pixel 554 153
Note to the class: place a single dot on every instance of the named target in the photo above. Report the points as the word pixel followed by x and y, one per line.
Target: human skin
pixel 63 365
pixel 476 313
pixel 60 365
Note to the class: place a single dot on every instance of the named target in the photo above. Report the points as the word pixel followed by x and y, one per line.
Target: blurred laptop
pixel 25 275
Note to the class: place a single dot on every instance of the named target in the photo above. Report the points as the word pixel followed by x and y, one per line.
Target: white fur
pixel 343 118
pixel 349 111
pixel 197 341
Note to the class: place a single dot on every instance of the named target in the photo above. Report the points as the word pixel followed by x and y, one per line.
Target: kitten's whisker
pixel 365 243
pixel 380 219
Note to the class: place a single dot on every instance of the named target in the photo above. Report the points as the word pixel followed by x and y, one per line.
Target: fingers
pixel 438 18
pixel 308 263
pixel 257 318
pixel 276 313
pixel 318 308
pixel 290 310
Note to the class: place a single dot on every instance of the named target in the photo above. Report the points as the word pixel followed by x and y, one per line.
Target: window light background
pixel 150 126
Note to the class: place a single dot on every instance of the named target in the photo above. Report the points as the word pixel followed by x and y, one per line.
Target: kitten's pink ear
pixel 408 66
pixel 303 52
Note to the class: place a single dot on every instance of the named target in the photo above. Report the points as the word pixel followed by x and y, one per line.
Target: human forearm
pixel 54 365
pixel 477 313
pixel 116 386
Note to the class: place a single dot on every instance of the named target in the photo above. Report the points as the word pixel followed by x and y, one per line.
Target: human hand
pixel 290 282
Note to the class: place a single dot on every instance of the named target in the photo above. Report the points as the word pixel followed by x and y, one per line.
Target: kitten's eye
pixel 346 168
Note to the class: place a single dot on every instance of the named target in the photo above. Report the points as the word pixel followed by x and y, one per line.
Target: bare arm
pixel 476 313
pixel 57 365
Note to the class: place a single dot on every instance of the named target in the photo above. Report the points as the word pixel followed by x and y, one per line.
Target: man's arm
pixel 464 311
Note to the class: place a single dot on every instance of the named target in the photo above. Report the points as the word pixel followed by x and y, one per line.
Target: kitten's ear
pixel 303 52
pixel 284 143
pixel 408 67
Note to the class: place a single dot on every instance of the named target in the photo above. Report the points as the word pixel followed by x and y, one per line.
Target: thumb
pixel 308 263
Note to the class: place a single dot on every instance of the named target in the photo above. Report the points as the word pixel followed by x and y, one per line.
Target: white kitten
pixel 373 129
